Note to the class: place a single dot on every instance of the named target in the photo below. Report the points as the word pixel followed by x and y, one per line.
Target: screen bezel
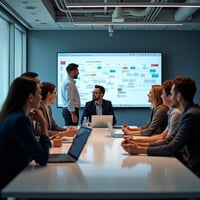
pixel 145 102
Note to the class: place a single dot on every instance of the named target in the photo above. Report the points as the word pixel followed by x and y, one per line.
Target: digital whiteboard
pixel 127 77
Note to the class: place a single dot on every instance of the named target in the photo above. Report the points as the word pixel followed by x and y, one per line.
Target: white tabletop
pixel 105 171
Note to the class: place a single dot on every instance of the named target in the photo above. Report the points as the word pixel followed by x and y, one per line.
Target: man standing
pixel 70 96
pixel 186 136
pixel 98 105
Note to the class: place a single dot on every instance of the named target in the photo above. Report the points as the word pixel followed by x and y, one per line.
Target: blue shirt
pixel 98 108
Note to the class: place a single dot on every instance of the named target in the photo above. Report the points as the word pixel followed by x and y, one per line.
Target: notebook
pixel 117 133
pixel 100 121
pixel 75 149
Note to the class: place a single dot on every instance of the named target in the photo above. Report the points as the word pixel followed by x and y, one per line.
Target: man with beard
pixel 70 96
pixel 98 105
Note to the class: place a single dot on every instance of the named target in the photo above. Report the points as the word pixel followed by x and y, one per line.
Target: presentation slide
pixel 127 77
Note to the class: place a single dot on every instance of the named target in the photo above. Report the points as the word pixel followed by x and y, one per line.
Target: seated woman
pixel 158 119
pixel 173 118
pixel 48 92
pixel 18 145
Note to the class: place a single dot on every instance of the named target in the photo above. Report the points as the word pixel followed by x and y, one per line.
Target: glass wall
pixel 12 52
pixel 19 64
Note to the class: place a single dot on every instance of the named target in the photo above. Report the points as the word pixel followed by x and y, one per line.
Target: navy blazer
pixel 90 109
pixel 18 146
pixel 187 136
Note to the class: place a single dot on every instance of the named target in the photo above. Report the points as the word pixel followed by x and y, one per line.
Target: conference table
pixel 105 171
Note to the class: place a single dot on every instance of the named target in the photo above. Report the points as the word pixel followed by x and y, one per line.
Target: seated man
pixel 98 105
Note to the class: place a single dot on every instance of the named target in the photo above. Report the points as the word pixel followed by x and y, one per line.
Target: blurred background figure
pixel 33 75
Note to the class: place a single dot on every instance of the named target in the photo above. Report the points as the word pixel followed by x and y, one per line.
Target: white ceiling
pixel 53 15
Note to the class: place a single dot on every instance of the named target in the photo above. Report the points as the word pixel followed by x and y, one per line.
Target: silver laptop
pixel 117 133
pixel 75 149
pixel 100 121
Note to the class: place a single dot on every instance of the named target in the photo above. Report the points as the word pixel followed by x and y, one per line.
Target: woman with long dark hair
pixel 18 146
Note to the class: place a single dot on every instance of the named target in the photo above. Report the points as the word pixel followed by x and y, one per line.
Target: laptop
pixel 116 133
pixel 75 149
pixel 100 121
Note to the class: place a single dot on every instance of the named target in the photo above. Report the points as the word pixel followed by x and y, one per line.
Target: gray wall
pixel 180 50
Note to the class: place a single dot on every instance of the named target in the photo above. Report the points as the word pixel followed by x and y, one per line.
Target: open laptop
pixel 117 133
pixel 100 121
pixel 75 149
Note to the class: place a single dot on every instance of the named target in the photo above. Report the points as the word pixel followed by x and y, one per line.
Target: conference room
pixel 35 33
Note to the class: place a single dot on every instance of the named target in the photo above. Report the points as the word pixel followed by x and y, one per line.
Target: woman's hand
pixel 126 129
pixel 57 141
pixel 70 132
pixel 37 115
pixel 130 146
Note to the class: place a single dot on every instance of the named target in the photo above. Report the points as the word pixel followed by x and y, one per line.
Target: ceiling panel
pixel 54 15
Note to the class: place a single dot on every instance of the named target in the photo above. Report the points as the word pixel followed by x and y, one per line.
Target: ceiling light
pixel 131 5
pixel 128 24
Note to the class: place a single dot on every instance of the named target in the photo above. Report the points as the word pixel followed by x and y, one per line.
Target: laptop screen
pixel 79 142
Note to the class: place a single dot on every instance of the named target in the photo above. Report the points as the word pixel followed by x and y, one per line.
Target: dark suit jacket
pixel 18 146
pixel 90 109
pixel 187 136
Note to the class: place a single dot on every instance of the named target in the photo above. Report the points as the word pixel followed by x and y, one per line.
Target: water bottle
pixel 85 121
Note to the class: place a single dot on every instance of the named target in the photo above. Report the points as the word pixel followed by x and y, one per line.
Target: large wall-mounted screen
pixel 127 77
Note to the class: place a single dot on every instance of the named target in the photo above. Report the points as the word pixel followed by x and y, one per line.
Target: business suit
pixel 53 128
pixel 187 136
pixel 90 109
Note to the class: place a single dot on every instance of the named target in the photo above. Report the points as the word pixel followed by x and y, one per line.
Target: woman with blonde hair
pixel 158 119
pixel 173 118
